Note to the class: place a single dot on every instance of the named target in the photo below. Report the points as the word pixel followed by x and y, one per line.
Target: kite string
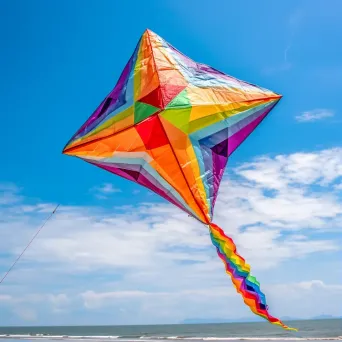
pixel 28 245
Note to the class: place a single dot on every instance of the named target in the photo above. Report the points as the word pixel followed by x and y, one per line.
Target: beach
pixel 315 330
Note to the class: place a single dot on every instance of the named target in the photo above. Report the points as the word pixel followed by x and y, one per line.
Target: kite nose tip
pixel 148 31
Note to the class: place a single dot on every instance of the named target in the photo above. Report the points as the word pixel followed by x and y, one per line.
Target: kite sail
pixel 170 124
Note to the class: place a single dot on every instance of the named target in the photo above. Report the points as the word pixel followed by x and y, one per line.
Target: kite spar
pixel 170 124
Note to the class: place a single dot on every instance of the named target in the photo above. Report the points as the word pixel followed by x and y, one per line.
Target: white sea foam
pixel 159 338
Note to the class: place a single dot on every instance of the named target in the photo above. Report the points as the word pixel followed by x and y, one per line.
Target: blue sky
pixel 60 59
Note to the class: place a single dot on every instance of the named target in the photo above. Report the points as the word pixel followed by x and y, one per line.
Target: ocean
pixel 318 330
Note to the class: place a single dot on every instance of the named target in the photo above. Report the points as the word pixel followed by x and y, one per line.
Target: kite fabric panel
pixel 170 125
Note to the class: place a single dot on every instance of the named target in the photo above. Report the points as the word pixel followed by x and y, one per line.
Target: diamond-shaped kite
pixel 170 124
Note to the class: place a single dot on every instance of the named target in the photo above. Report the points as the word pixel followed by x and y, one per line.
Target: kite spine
pixel 239 271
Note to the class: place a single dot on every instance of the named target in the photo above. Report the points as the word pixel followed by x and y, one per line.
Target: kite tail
pixel 239 270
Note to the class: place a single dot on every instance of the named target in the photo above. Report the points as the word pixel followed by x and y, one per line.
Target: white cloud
pixel 31 298
pixel 26 314
pixel 103 191
pixel 58 300
pixel 282 297
pixel 95 300
pixel 315 115
pixel 276 209
pixel 277 248
pixel 318 284
pixel 9 194
pixel 108 188
pixel 338 186
pixel 27 306
pixel 5 298
pixel 298 170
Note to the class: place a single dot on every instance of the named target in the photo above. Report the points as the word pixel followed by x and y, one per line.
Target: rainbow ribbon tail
pixel 239 271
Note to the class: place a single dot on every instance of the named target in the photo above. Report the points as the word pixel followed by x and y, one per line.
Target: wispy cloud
pixel 293 24
pixel 103 191
pixel 315 115
pixel 10 193
pixel 338 186
pixel 295 20
pixel 27 314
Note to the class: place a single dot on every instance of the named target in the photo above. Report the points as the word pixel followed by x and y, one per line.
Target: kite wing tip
pixel 277 96
pixel 65 149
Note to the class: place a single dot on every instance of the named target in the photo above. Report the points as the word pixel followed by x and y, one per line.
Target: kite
pixel 170 124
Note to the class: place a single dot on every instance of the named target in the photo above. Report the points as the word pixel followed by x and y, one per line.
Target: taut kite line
pixel 28 245
pixel 170 124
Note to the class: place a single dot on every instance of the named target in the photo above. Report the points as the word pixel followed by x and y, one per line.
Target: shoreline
pixel 161 338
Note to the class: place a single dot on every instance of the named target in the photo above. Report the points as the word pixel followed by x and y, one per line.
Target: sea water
pixel 317 330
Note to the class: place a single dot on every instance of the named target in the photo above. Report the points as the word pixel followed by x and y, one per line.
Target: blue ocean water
pixel 318 330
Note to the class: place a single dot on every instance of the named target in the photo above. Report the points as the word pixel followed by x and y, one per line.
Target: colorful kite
pixel 170 124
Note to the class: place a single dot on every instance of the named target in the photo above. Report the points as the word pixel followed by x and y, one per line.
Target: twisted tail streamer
pixel 239 270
